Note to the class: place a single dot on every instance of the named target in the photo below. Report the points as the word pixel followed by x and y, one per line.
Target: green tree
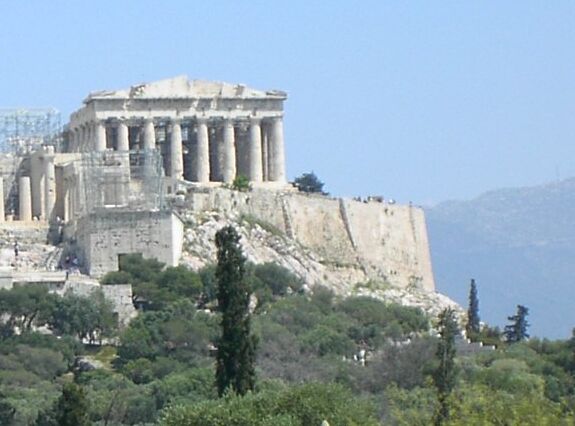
pixel 517 330
pixel 472 328
pixel 71 409
pixel 444 375
pixel 309 182
pixel 236 347
pixel 85 317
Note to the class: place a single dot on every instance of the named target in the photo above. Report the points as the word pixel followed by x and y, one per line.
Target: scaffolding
pixel 25 129
pixel 128 180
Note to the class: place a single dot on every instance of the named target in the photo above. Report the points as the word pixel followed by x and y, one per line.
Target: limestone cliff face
pixel 351 246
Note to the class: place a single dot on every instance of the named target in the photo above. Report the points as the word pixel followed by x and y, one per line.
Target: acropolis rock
pixel 149 170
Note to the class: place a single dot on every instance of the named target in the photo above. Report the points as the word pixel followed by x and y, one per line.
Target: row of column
pixel 45 188
pixel 259 159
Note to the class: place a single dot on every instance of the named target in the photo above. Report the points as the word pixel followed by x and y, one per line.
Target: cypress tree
pixel 472 327
pixel 236 347
pixel 71 409
pixel 517 330
pixel 445 374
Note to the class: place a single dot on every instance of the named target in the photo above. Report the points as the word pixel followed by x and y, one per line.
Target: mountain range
pixel 519 246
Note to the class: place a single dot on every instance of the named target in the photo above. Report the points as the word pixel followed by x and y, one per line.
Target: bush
pixel 278 279
pixel 241 183
pixel 303 405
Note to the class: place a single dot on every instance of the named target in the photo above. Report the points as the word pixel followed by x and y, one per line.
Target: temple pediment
pixel 182 87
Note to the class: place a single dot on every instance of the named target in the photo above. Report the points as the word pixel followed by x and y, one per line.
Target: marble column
pixel 265 153
pixel 2 213
pixel 149 135
pixel 176 155
pixel 255 151
pixel 82 139
pixel 100 136
pixel 89 137
pixel 229 152
pixel 25 199
pixel 77 139
pixel 123 139
pixel 277 153
pixel 203 153
pixel 49 182
pixel 71 140
pixel 66 201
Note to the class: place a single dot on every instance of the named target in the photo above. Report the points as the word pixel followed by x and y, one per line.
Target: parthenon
pixel 205 131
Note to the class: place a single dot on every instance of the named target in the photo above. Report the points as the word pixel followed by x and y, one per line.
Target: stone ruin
pixel 132 164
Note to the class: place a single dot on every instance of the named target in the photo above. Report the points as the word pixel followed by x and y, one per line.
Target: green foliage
pixel 481 405
pixel 303 405
pixel 445 374
pixel 490 335
pixel 278 279
pixel 71 409
pixel 235 360
pixel 377 320
pixel 322 340
pixel 517 330
pixel 208 276
pixel 25 306
pixel 154 285
pixel 179 332
pixel 241 183
pixel 472 328
pixel 309 182
pixel 7 411
pixel 89 318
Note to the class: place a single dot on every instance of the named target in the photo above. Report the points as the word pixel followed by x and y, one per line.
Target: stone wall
pixel 387 241
pixel 103 236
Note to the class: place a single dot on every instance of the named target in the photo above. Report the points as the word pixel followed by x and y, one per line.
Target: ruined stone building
pixel 132 165
pixel 205 131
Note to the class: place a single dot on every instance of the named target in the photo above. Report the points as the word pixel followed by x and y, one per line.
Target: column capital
pixel 275 118
pixel 201 120
pixel 255 120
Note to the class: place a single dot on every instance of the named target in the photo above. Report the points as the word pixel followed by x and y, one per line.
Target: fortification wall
pixel 386 241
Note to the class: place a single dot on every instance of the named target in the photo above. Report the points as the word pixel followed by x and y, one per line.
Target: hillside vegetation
pixel 350 361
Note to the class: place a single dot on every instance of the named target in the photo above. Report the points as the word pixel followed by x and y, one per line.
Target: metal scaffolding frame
pixel 130 180
pixel 24 129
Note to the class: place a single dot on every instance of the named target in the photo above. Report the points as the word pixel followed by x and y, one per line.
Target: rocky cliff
pixel 353 247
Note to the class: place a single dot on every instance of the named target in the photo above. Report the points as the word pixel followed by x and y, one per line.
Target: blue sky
pixel 420 101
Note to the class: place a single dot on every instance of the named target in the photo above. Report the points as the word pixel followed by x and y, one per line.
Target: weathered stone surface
pixel 340 240
pixel 104 236
pixel 311 240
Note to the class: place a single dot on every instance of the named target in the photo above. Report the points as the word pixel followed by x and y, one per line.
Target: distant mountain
pixel 519 245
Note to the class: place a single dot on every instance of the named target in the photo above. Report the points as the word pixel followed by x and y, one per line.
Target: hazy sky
pixel 418 100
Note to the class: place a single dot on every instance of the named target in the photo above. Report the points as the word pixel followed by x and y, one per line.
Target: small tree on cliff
pixel 236 347
pixel 517 330
pixel 309 182
pixel 472 328
pixel 444 375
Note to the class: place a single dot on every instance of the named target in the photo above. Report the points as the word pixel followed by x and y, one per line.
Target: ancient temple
pixel 205 131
